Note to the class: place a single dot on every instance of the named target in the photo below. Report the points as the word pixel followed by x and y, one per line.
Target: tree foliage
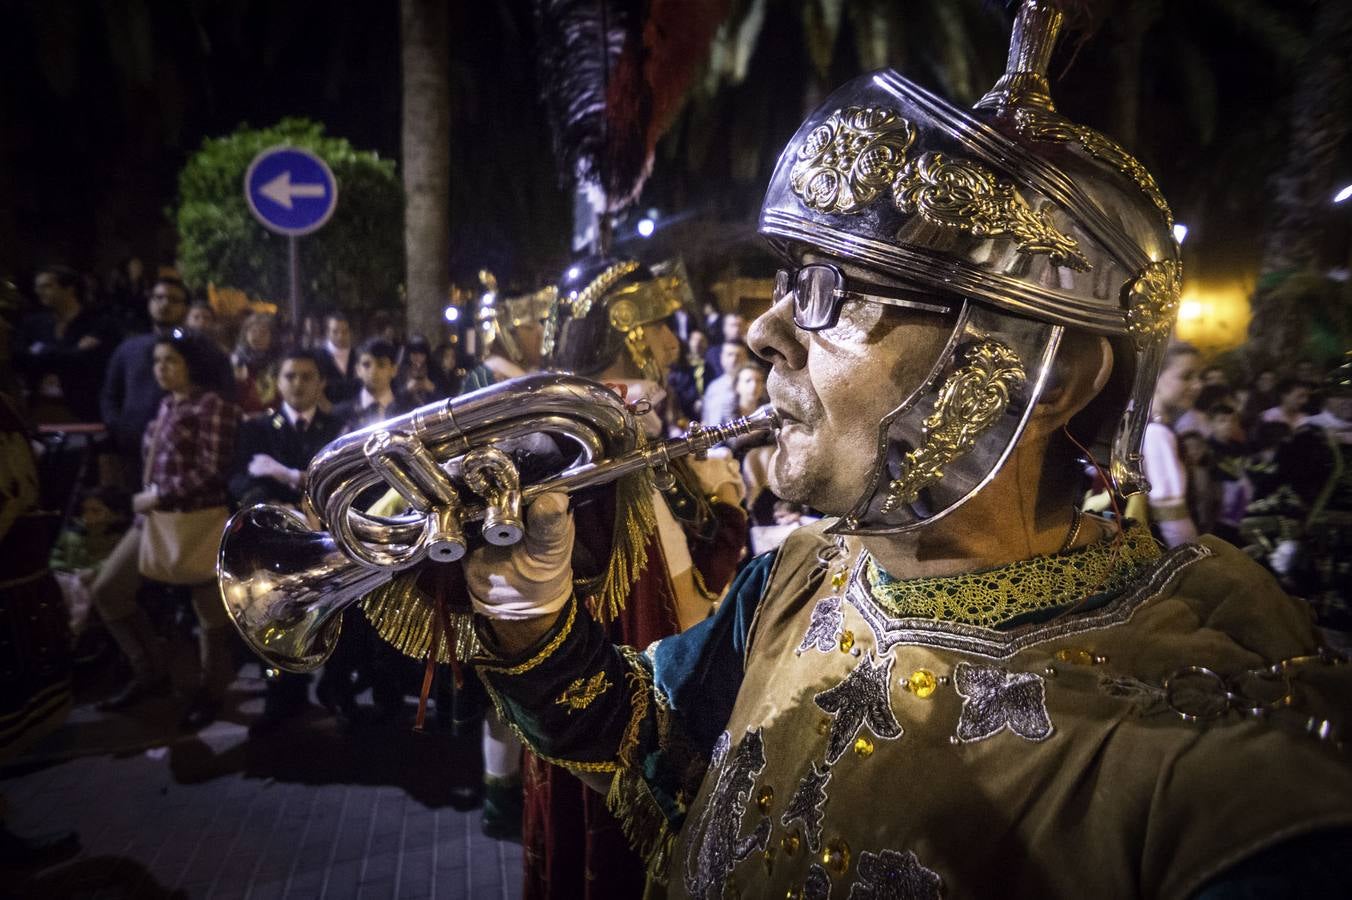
pixel 355 261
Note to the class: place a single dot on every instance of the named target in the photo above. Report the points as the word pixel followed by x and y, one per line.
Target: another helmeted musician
pixel 511 329
pixel 671 550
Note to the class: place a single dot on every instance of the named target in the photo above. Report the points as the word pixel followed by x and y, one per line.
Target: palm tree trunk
pixel 424 52
pixel 1301 188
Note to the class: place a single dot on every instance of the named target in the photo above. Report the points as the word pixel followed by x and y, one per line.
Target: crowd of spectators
pixel 1264 462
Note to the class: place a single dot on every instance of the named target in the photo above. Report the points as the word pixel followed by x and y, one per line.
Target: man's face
pixel 49 290
pixel 663 344
pixel 833 387
pixel 95 513
pixel 1295 398
pixel 200 319
pixel 1225 425
pixel 375 373
pixel 258 336
pixel 530 339
pixel 749 386
pixel 1179 382
pixel 734 327
pixel 697 345
pixel 299 383
pixel 1265 381
pixel 168 305
pixel 339 333
pixel 732 357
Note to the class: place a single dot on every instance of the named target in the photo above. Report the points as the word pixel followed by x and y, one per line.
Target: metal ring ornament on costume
pixel 830 553
pixel 1243 700
pixel 1171 688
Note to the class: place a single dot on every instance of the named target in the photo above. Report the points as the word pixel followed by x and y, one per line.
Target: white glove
pixel 531 578
pixel 264 466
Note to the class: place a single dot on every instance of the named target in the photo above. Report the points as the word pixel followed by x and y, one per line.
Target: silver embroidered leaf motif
pixel 994 699
pixel 861 700
pixel 715 841
pixel 823 629
pixel 895 876
pixel 818 883
pixel 807 804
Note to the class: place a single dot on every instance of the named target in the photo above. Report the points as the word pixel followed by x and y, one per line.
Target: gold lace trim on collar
pixel 994 596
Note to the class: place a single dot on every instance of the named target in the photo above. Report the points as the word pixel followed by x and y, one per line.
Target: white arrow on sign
pixel 281 191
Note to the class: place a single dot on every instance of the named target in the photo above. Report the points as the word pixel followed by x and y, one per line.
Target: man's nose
pixel 774 338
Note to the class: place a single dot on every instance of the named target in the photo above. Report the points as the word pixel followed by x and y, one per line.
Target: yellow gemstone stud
pixel 836 856
pixel 790 842
pixel 765 798
pixel 922 683
pixel 1077 656
pixel 823 726
pixel 846 640
pixel 838 579
pixel 863 746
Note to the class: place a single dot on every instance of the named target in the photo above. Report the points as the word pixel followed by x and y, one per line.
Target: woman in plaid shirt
pixel 187 451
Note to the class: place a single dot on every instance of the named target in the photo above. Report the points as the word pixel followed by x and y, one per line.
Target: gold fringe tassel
pixel 635 520
pixel 641 819
pixel 403 618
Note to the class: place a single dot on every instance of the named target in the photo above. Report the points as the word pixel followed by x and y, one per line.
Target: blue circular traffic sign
pixel 290 190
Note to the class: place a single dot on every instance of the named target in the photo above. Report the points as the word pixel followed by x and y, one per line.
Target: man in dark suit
pixel 272 452
pixel 131 396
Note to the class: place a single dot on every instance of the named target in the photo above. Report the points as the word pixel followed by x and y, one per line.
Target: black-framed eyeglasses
pixel 819 289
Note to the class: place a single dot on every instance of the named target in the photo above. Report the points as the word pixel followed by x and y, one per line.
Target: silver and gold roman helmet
pixel 1031 223
pixel 603 305
pixel 498 317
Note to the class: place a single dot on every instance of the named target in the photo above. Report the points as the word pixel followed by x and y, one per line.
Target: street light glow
pixel 645 227
pixel 1190 309
pixel 452 314
pixel 1180 232
pixel 573 272
pixel 1343 194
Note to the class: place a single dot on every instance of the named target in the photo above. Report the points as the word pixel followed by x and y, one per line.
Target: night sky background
pixel 101 103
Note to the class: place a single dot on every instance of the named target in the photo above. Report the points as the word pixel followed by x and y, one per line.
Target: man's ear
pixel 1080 370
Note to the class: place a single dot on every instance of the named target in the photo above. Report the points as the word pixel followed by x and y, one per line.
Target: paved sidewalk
pixel 309 812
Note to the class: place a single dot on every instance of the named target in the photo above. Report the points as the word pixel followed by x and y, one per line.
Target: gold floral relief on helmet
pixel 1152 302
pixel 958 193
pixel 623 315
pixel 970 401
pixel 1041 124
pixel 849 159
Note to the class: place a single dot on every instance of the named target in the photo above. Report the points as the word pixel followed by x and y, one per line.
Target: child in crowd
pixel 377 399
pixel 83 546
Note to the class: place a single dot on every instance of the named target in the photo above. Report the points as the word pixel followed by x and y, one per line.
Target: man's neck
pixel 384 398
pixel 292 413
pixel 1001 524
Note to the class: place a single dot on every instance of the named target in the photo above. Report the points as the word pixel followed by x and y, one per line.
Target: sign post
pixel 292 192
